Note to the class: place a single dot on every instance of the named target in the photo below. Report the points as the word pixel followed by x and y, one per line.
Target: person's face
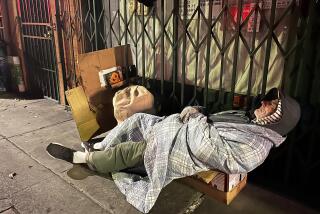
pixel 267 108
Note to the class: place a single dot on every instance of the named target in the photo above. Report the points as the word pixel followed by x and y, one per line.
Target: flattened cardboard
pixel 85 119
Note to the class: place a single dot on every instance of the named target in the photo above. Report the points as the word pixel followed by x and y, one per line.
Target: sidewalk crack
pixel 43 127
pixel 9 208
pixel 32 185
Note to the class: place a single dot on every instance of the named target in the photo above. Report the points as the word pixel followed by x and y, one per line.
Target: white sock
pixel 79 157
pixel 98 146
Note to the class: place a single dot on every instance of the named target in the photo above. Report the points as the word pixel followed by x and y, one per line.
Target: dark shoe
pixel 60 152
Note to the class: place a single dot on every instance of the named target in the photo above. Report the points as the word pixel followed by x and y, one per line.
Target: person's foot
pixel 58 151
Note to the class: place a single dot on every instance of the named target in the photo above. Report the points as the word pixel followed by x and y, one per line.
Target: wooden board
pixel 224 197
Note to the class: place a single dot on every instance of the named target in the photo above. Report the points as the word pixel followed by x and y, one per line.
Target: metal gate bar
pixel 252 57
pixel 175 37
pixel 268 48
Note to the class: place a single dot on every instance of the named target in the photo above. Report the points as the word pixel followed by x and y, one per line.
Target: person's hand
pixel 190 111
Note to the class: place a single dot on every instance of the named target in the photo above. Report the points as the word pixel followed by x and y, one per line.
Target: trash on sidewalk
pixel 12 175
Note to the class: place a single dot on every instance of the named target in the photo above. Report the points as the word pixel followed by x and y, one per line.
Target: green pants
pixel 122 156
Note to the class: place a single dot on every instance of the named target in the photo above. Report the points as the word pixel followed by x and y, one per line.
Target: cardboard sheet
pixel 85 119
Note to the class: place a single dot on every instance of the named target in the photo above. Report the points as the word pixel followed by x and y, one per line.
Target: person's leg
pixel 132 129
pixel 122 156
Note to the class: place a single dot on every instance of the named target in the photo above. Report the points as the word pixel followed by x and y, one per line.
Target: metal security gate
pixel 191 52
pixel 38 40
pixel 270 36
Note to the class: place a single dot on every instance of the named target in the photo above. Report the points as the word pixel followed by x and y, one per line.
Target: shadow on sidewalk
pixel 24 96
pixel 80 172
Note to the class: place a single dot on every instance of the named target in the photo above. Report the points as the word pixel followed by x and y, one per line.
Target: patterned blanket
pixel 178 148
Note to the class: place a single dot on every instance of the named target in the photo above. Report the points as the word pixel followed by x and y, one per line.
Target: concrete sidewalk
pixel 44 185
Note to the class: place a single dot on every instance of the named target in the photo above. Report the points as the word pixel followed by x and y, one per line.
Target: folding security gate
pixel 38 41
pixel 192 52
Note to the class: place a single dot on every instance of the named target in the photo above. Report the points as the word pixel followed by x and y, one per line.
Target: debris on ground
pixel 12 175
pixel 197 200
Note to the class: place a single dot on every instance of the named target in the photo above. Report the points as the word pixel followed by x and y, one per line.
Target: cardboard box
pixel 100 98
pixel 224 197
pixel 90 64
pixel 219 180
pixel 226 182
pixel 207 176
pixel 85 119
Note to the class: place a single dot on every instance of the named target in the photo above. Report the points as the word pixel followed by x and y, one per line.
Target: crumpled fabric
pixel 177 148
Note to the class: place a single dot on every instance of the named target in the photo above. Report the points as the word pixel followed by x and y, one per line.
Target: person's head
pixel 267 108
pixel 278 112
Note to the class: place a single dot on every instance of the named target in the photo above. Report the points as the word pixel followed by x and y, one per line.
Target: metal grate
pixel 37 34
pixel 217 39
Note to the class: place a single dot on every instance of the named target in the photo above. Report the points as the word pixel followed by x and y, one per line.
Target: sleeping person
pixel 187 143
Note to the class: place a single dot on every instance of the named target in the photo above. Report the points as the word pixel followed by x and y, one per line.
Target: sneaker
pixel 58 151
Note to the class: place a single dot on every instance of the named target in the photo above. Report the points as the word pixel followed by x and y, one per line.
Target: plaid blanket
pixel 178 148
